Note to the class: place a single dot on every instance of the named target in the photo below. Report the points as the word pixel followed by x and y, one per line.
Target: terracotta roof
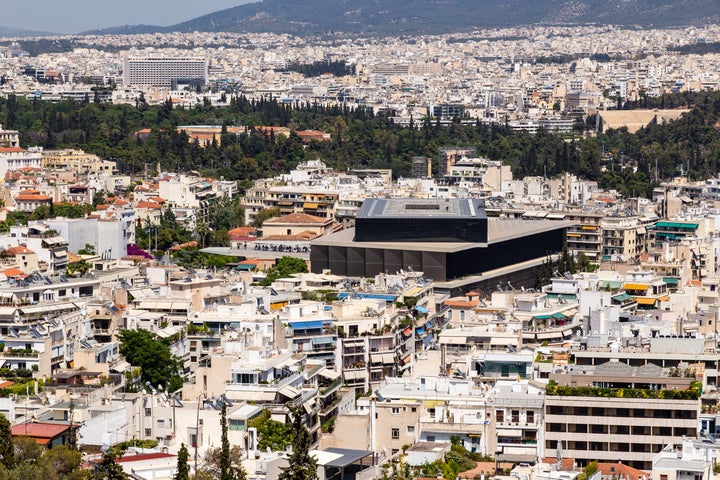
pixel 153 205
pixel 33 198
pixel 300 237
pixel 120 201
pixel 621 471
pixel 143 456
pixel 191 243
pixel 298 219
pixel 12 272
pixel 6 383
pixel 39 430
pixel 18 250
pixel 242 231
pixel 461 303
pixel 11 149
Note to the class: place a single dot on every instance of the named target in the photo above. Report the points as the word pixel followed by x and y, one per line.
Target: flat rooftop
pixel 499 230
pixel 422 208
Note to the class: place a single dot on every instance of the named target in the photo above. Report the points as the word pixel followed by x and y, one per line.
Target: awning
pixel 427 340
pixel 309 405
pixel 322 340
pixel 574 235
pixel 623 297
pixel 542 317
pixel 253 396
pixel 670 280
pixel 406 359
pixel 421 309
pixel 329 374
pixel 419 330
pixel 314 325
pixel 382 358
pixel 289 392
pixel 407 331
pixel 558 316
pixel 635 286
pixel 355 374
pixel 310 205
pixel 121 367
pixel 646 300
pixel 429 324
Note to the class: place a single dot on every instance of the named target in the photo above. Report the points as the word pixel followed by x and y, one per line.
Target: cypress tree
pixel 183 469
pixel 225 462
pixel 7 448
pixel 302 465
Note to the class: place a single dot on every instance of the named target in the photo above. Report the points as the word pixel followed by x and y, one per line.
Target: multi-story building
pixel 617 412
pixel 77 161
pixel 159 71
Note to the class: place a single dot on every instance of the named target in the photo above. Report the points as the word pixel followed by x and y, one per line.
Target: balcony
pixel 19 354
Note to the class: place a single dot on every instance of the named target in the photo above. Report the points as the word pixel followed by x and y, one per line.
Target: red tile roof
pixel 143 456
pixel 11 272
pixel 298 219
pixel 39 430
pixel 18 250
pixel 152 205
pixel 11 149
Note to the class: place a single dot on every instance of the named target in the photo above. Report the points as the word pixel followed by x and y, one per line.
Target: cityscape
pixel 404 251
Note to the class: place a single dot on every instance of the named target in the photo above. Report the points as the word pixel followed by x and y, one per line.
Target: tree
pixel 265 214
pixel 284 267
pixel 7 448
pixel 183 469
pixel 159 366
pixel 225 467
pixel 302 465
pixel 108 469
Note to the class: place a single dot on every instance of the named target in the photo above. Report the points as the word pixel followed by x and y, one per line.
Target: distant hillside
pixel 16 32
pixel 437 16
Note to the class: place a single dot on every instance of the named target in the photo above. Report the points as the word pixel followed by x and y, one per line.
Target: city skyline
pixel 55 17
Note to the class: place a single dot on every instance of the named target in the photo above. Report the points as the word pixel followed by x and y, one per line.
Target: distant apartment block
pixel 165 71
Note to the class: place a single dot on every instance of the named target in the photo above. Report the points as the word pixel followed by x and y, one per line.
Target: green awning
pixel 542 317
pixel 558 315
pixel 671 280
pixel 684 226
pixel 246 266
pixel 623 297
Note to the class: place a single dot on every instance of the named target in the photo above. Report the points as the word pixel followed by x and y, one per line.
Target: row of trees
pixel 361 138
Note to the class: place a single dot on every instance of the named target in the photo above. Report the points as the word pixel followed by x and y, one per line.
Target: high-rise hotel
pixel 159 71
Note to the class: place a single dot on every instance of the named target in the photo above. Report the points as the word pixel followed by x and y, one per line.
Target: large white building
pixel 159 71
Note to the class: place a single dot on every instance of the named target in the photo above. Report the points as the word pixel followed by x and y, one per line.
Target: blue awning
pixel 429 324
pixel 421 309
pixel 378 296
pixel 313 325
pixel 427 340
pixel 419 330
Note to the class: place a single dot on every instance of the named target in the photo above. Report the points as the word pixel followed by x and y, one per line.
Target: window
pixel 530 418
pixel 395 433
pixel 411 429
pixel 395 410
pixel 148 412
pixel 148 432
pixel 499 416
pixel 515 414
pixel 431 438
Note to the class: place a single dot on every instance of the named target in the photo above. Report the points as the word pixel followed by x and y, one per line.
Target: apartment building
pixel 617 412
pixel 161 71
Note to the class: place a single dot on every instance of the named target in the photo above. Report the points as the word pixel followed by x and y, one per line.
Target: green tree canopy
pixel 159 366
pixel 284 267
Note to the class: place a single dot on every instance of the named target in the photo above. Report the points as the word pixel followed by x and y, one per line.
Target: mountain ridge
pixel 376 17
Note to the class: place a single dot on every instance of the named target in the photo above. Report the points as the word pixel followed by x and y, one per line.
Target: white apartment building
pixel 163 71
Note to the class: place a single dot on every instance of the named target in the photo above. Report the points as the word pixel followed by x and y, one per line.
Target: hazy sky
pixel 73 16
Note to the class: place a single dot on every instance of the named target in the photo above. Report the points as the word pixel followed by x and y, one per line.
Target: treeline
pixel 363 139
pixel 697 48
pixel 336 67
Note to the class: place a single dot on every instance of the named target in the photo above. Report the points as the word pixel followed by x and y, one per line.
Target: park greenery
pixel 361 138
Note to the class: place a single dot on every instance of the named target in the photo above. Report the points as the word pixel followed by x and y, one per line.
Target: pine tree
pixel 302 465
pixel 7 448
pixel 183 469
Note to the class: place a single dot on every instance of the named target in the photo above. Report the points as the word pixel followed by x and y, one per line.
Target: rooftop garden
pixel 693 393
